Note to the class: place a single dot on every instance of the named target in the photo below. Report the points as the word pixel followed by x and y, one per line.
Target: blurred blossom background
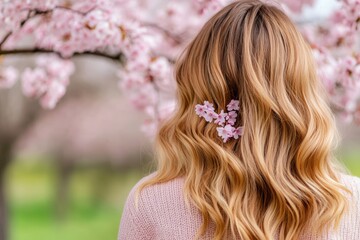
pixel 70 159
pixel 74 165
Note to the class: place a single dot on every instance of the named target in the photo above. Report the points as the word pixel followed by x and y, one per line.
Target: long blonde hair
pixel 281 176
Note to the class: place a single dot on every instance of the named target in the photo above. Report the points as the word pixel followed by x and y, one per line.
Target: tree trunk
pixel 5 156
pixel 65 169
pixel 16 115
pixel 3 207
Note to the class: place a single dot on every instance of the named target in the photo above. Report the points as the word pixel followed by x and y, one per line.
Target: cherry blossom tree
pixel 80 141
pixel 144 38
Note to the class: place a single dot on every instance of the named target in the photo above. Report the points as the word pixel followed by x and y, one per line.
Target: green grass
pixel 96 197
pixel 351 159
pixel 93 224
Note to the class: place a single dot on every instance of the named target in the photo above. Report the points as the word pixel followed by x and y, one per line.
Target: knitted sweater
pixel 163 215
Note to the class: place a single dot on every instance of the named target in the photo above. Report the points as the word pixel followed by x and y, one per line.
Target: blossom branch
pixel 22 23
pixel 117 57
pixel 32 13
pixel 177 39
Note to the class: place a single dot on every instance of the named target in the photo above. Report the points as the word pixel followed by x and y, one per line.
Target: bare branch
pixel 41 12
pixel 117 57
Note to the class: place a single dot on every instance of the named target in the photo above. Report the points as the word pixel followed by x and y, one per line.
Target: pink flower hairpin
pixel 226 120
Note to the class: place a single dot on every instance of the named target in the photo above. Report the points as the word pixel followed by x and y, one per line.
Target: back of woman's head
pixel 278 177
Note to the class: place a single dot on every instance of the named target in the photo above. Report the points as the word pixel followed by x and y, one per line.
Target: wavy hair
pixel 281 177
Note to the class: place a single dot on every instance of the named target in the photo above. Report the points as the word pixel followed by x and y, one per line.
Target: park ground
pixel 94 206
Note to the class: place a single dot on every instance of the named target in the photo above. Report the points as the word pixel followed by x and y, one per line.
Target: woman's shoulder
pixel 155 203
pixel 352 182
pixel 168 185
pixel 157 192
pixel 350 226
pixel 349 178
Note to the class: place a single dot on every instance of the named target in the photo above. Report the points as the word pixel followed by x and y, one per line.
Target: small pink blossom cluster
pixel 8 77
pixel 344 23
pixel 347 87
pixel 340 77
pixel 296 6
pixel 209 6
pixel 13 12
pixel 226 120
pixel 48 80
pixel 156 115
pixel 146 87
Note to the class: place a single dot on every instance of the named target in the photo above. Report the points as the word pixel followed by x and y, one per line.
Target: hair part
pixel 281 176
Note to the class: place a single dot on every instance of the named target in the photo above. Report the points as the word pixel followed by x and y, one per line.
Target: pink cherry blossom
pixel 200 110
pixel 54 92
pixel 210 115
pixel 225 132
pixel 206 6
pixel 131 80
pixel 238 132
pixel 221 117
pixel 144 97
pixel 34 82
pixel 233 105
pixel 160 68
pixel 297 6
pixel 48 81
pixel 209 106
pixel 8 77
pixel 231 117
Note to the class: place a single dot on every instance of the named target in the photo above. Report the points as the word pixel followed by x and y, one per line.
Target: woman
pixel 255 160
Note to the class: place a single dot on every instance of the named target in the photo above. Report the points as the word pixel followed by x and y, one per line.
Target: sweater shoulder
pixel 157 192
pixel 160 186
pixel 350 226
pixel 136 221
pixel 352 183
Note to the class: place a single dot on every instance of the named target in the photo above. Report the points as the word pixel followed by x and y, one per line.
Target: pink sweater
pixel 163 214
